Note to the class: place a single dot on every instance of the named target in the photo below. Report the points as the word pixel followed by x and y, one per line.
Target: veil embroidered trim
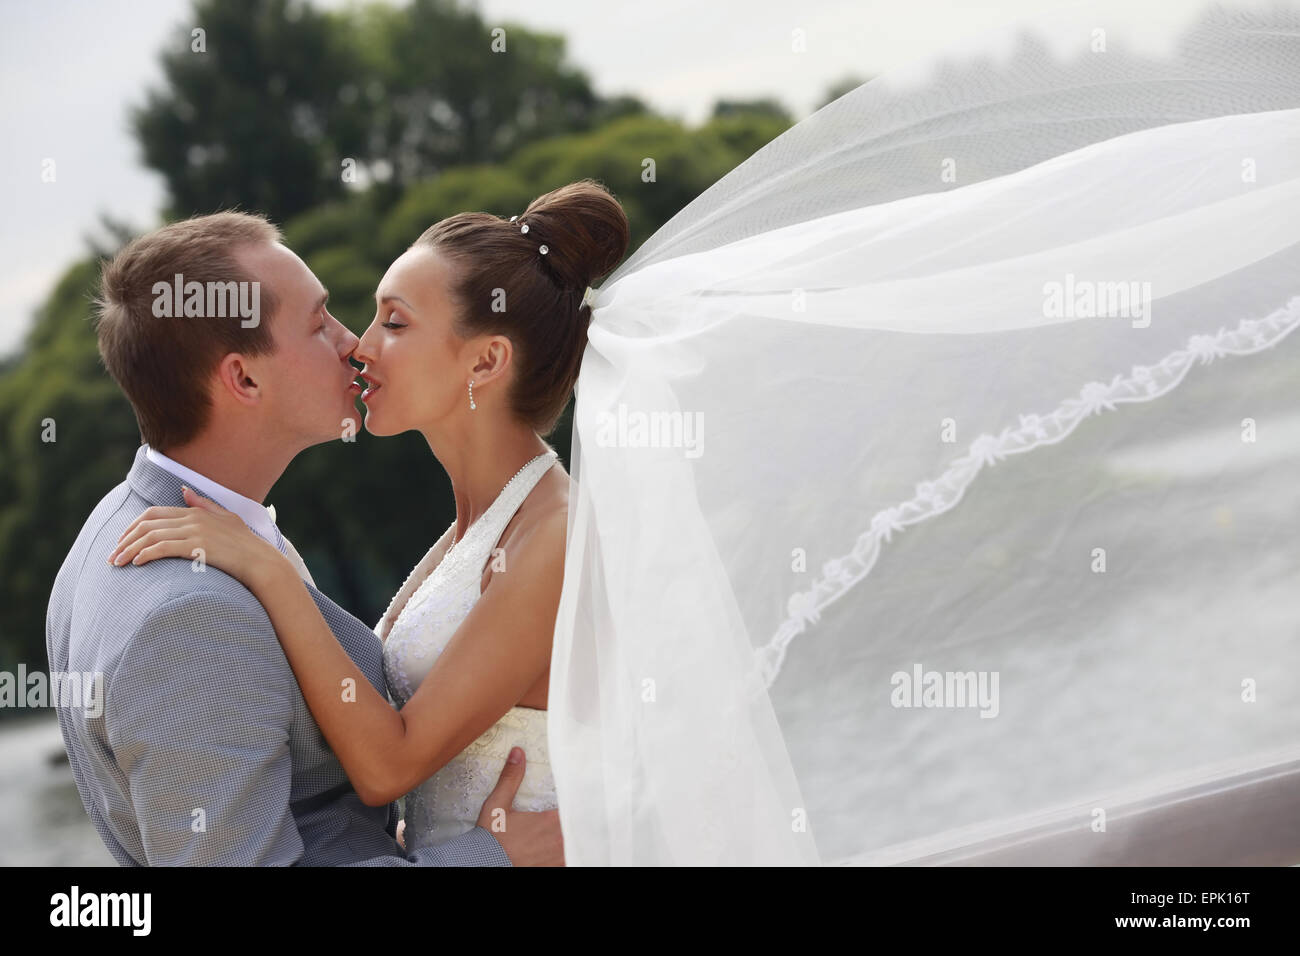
pixel 933 498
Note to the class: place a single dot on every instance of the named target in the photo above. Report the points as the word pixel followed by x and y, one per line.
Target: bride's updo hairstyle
pixel 505 285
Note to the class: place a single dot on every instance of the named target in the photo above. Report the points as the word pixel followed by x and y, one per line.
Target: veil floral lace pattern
pixel 1144 383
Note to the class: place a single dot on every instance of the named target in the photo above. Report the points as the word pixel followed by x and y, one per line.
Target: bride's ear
pixel 493 360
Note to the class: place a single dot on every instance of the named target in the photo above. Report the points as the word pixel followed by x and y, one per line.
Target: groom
pixel 204 750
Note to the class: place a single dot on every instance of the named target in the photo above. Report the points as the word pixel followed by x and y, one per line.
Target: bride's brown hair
pixel 586 235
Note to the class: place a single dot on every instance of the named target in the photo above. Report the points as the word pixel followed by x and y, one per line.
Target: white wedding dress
pixel 417 626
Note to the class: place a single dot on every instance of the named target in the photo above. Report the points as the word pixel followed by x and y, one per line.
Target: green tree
pixel 280 107
pixel 250 114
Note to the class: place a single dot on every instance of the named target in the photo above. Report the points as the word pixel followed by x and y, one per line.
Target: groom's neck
pixel 248 466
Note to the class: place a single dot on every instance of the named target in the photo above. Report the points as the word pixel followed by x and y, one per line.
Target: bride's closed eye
pixel 390 324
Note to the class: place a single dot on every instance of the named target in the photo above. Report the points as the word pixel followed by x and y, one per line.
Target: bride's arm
pixel 499 651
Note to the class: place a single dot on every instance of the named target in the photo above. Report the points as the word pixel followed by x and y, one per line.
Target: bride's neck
pixel 481 462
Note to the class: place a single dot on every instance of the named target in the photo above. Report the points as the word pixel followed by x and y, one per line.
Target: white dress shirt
pixel 261 520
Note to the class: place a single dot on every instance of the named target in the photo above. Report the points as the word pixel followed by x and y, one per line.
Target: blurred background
pixel 119 116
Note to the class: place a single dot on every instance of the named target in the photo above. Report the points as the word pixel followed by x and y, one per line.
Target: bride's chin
pixel 369 424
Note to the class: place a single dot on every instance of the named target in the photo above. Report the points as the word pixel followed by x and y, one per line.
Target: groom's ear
pixel 235 377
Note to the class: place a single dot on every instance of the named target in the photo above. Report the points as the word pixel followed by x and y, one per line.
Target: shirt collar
pixel 254 515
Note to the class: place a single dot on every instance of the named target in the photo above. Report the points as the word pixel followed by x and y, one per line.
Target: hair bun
pixel 585 230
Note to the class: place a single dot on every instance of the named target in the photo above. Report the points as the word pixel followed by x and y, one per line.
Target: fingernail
pixel 516 755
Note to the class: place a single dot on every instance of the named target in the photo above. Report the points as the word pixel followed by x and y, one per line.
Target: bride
pixel 986 558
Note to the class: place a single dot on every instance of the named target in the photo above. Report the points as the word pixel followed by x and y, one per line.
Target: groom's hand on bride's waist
pixel 529 839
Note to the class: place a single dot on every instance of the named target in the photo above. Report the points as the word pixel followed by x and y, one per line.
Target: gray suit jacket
pixel 205 751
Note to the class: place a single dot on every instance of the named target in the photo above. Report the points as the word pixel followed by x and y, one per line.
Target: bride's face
pixel 418 368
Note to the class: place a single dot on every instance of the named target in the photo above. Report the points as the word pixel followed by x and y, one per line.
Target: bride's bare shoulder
pixel 544 514
pixel 547 503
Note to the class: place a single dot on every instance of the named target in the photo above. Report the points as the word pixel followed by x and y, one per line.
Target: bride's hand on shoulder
pixel 204 530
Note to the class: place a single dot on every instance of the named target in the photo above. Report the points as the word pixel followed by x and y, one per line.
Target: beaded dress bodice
pixel 432 604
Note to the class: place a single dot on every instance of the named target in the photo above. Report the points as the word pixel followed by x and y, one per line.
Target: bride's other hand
pixel 204 529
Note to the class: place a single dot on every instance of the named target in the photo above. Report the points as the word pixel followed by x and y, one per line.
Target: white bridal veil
pixel 936 472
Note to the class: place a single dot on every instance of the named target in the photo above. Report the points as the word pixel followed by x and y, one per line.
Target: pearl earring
pixel 471 394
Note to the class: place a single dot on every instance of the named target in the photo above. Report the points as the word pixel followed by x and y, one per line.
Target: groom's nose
pixel 350 342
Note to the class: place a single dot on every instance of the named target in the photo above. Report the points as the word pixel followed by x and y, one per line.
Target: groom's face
pixel 305 383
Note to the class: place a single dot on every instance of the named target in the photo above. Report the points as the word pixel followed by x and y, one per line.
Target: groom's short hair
pixel 164 365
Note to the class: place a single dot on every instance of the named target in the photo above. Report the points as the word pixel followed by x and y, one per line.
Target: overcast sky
pixel 71 68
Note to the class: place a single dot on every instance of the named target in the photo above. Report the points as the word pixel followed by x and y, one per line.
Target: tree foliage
pixel 276 106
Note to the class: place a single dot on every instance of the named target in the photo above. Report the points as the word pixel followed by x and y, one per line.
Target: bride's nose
pixel 361 352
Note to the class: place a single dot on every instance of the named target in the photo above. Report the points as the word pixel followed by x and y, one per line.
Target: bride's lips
pixel 369 392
